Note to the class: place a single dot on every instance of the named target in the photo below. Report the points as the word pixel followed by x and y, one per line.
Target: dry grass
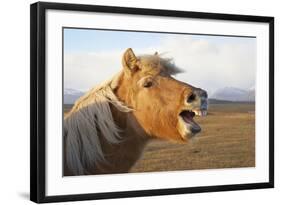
pixel 227 140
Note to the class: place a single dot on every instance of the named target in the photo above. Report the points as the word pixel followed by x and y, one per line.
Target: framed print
pixel 129 102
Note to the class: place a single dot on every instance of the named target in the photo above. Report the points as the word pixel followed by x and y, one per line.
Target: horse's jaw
pixel 186 124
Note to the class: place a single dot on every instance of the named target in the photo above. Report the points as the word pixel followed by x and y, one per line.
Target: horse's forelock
pixel 167 63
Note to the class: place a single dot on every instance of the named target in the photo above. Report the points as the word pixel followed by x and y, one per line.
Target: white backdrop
pixel 14 81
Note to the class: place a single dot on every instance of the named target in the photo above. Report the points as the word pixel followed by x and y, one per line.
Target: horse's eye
pixel 147 84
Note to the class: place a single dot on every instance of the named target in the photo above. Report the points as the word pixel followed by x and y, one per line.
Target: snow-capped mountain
pixel 71 95
pixel 235 94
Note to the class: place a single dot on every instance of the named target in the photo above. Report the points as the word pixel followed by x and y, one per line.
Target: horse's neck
pixel 120 157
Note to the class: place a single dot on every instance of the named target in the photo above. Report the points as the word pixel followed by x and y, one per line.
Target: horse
pixel 107 129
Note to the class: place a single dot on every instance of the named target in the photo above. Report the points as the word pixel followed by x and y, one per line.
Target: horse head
pixel 163 106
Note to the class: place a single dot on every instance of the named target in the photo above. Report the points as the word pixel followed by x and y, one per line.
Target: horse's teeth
pixel 200 112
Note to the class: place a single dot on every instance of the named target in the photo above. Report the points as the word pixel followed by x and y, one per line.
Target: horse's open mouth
pixel 188 115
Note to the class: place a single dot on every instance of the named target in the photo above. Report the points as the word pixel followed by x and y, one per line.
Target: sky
pixel 209 62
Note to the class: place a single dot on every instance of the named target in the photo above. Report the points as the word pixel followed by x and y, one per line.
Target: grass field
pixel 227 140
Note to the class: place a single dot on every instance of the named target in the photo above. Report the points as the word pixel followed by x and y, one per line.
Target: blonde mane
pixel 89 119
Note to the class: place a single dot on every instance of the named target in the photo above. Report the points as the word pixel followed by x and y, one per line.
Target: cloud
pixel 213 65
pixel 85 70
pixel 209 64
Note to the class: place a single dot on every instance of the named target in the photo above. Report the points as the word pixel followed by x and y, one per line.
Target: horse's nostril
pixel 191 97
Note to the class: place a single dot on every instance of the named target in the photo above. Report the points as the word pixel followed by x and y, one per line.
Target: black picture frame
pixel 38 101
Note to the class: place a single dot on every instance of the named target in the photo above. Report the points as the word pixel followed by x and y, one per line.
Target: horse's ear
pixel 129 60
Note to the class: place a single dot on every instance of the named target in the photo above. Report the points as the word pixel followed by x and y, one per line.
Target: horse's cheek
pixel 156 114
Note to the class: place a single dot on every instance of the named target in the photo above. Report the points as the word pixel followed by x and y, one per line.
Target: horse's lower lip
pixel 195 128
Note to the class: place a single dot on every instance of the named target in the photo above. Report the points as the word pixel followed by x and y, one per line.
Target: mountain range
pixel 71 95
pixel 235 94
